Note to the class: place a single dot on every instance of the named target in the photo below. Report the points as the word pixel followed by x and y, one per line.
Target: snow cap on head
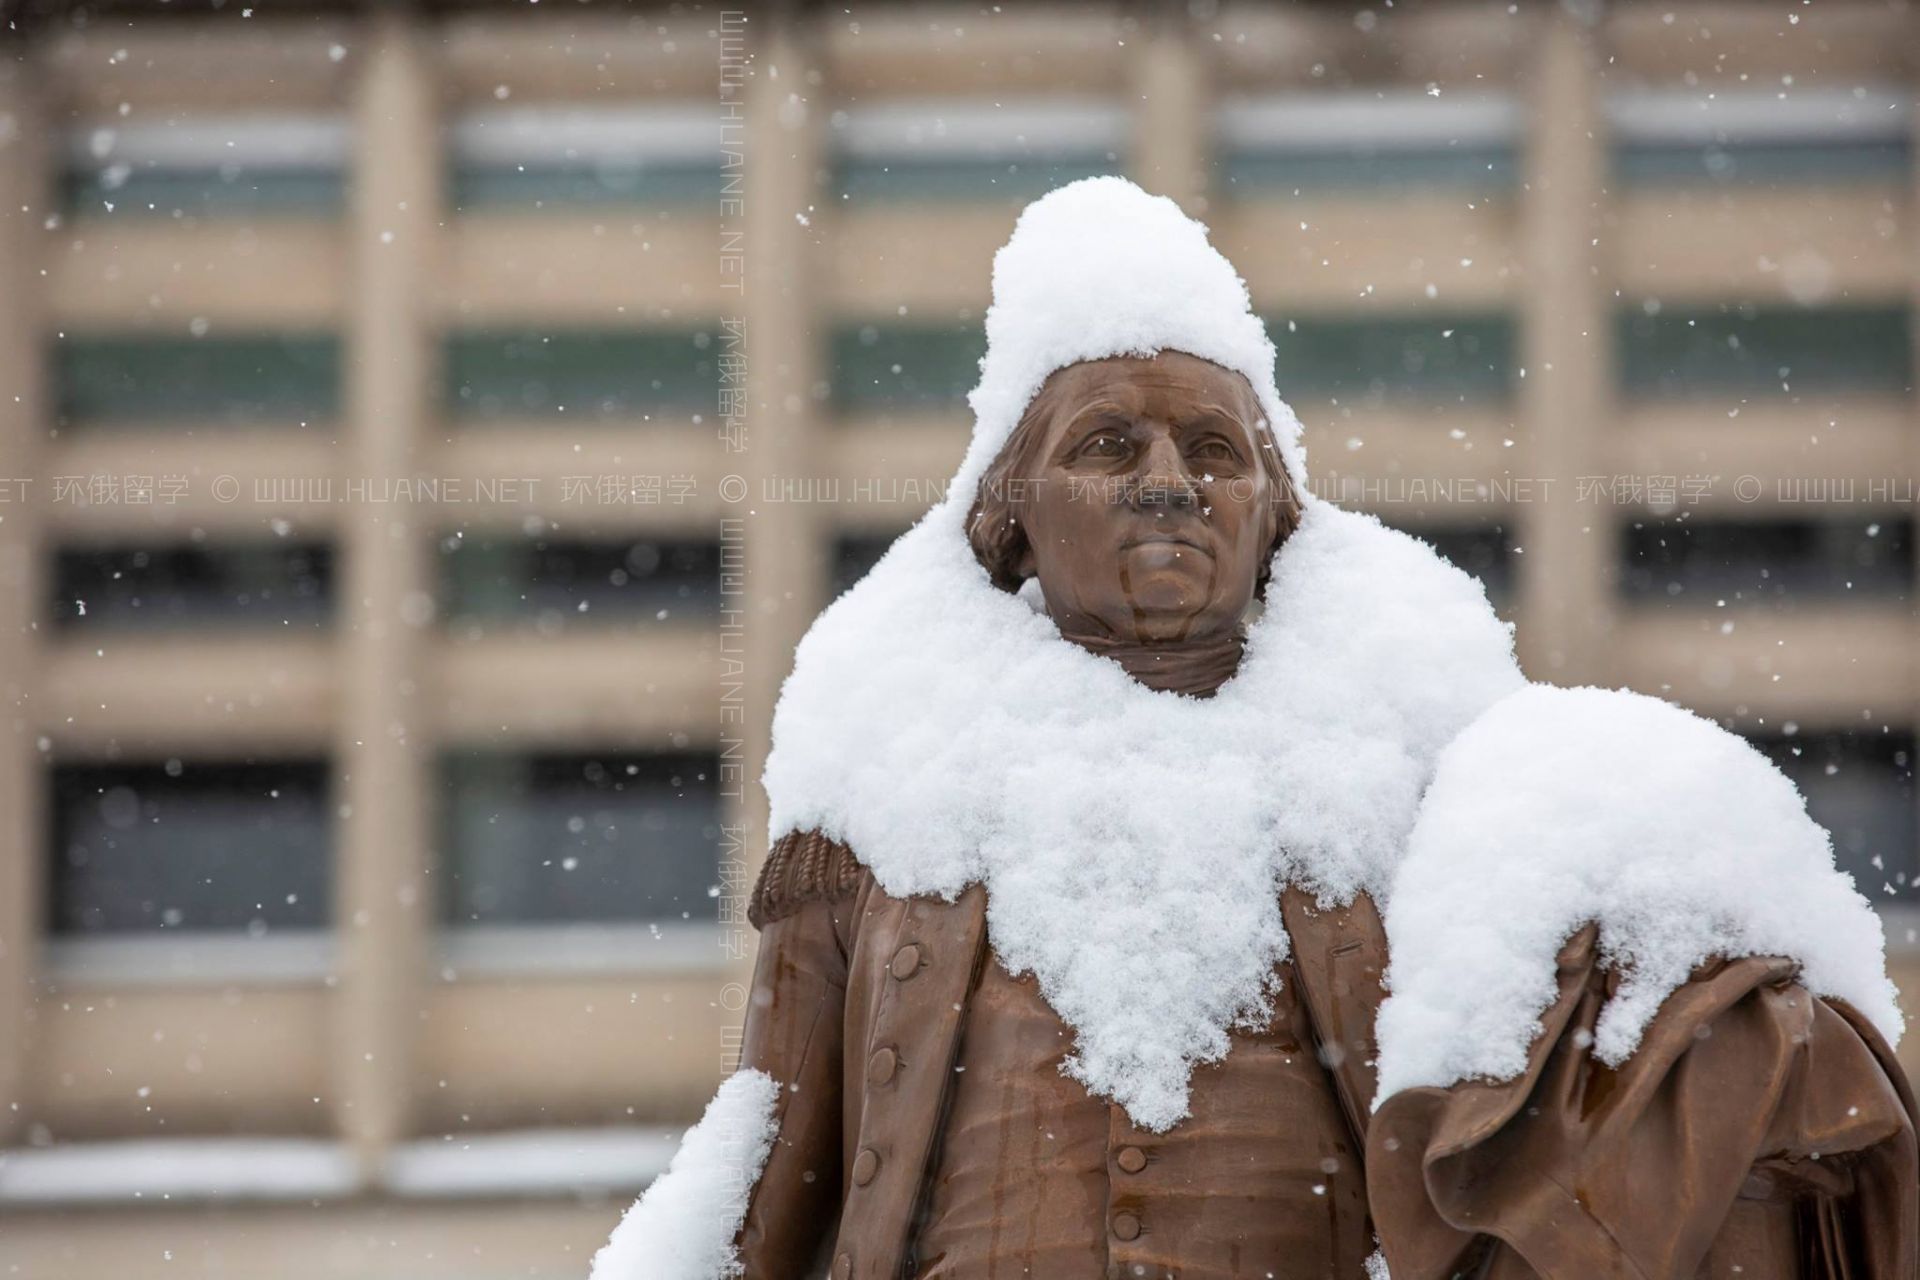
pixel 1099 268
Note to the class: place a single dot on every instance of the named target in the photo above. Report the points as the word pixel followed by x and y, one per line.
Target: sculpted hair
pixel 998 538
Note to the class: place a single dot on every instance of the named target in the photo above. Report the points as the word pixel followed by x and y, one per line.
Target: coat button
pixel 881 1066
pixel 843 1267
pixel 865 1165
pixel 1126 1226
pixel 1131 1159
pixel 906 962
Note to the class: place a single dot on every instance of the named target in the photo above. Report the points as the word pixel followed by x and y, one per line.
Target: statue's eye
pixel 1216 449
pixel 1104 445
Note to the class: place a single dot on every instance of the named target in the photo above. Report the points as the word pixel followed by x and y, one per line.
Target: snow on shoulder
pixel 1559 807
pixel 683 1226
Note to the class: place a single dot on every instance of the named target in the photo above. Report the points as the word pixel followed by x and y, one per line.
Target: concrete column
pixel 1566 565
pixel 382 760
pixel 785 542
pixel 25 196
pixel 1173 137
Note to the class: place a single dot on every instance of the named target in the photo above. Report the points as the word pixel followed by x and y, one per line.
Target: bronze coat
pixel 1700 1153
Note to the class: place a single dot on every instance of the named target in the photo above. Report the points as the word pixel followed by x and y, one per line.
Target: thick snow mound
pixel 1563 806
pixel 1098 268
pixel 1132 841
pixel 683 1226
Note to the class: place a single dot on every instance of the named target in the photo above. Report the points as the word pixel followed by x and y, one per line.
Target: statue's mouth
pixel 1167 539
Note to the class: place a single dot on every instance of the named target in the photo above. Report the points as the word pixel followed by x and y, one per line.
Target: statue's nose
pixel 1163 479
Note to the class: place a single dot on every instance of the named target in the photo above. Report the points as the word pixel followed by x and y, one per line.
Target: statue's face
pixel 1148 512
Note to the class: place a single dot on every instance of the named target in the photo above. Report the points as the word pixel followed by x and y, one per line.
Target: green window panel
pixel 1762 351
pixel 1454 358
pixel 577 373
pixel 1806 164
pixel 905 366
pixel 948 181
pixel 477 188
pixel 1384 171
pixel 274 380
pixel 203 193
pixel 546 839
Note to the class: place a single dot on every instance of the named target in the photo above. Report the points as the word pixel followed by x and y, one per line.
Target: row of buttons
pixel 880 1069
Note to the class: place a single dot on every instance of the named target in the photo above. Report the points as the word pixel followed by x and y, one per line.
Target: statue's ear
pixel 1024 566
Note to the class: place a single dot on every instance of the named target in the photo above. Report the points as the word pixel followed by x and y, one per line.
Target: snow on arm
pixel 683 1226
pixel 1559 807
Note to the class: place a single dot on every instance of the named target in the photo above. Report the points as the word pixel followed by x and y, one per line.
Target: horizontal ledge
pixel 539 1162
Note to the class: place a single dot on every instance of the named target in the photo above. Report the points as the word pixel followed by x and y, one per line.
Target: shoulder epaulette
pixel 802 867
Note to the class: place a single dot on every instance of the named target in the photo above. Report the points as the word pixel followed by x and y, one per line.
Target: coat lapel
pixel 1339 954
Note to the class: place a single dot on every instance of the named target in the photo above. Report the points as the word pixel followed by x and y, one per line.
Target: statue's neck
pixel 1194 667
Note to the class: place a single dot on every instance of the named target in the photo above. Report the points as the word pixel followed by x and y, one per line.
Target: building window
pixel 905 367
pixel 1668 353
pixel 553 158
pixel 253 381
pixel 1704 561
pixel 195 168
pixel 264 585
pixel 547 839
pixel 1859 786
pixel 552 583
pixel 579 374
pixel 189 847
pixel 1810 137
pixel 1393 358
pixel 965 150
pixel 1386 143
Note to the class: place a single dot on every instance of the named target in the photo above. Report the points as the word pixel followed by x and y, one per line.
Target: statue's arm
pixel 1757 1130
pixel 804 907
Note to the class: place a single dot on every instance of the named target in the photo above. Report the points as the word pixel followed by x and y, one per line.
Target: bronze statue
pixel 937 1083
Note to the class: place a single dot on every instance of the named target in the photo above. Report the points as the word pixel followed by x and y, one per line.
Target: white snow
pixel 683 1228
pixel 1564 806
pixel 1133 842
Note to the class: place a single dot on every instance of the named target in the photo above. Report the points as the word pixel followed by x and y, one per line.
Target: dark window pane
pixel 581 374
pixel 555 582
pixel 277 585
pixel 905 367
pixel 195 846
pixel 854 555
pixel 1656 164
pixel 1764 351
pixel 1704 561
pixel 1485 551
pixel 1393 357
pixel 579 838
pixel 1859 785
pixel 255 381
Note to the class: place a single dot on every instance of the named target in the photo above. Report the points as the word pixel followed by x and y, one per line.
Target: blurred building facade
pixel 426 433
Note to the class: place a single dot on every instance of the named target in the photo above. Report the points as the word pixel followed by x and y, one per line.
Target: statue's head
pixel 1146 495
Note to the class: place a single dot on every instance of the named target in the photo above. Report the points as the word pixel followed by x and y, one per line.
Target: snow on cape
pixel 683 1226
pixel 1133 841
pixel 1563 806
